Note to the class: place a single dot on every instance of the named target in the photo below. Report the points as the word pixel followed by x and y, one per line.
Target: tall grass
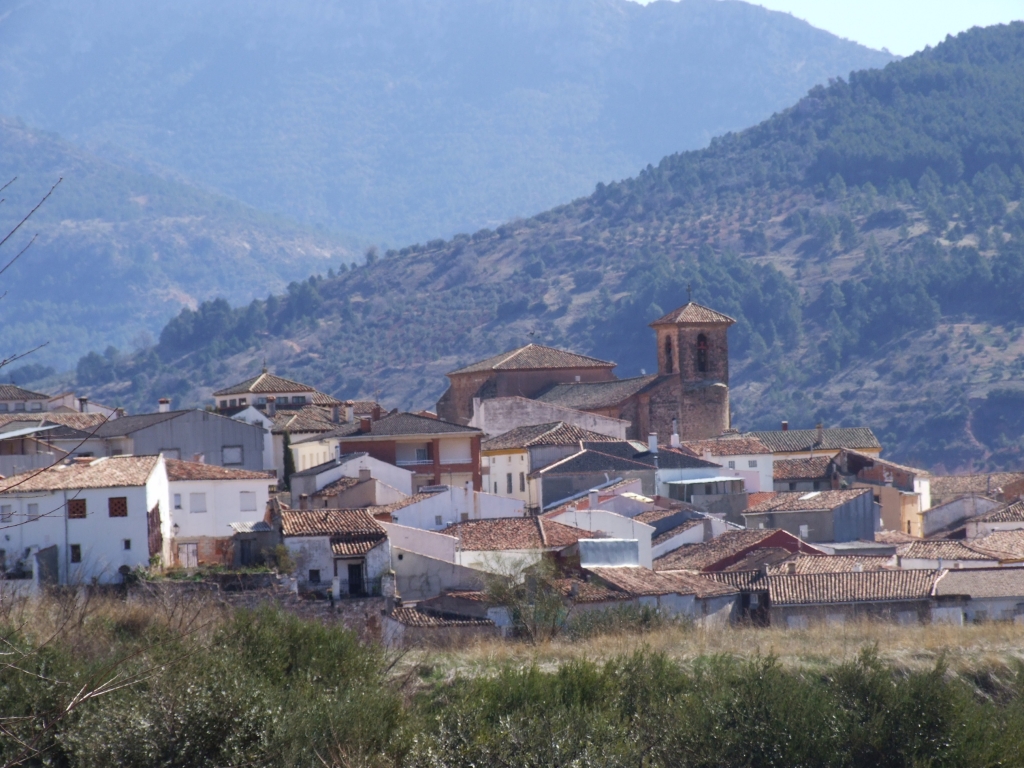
pixel 182 681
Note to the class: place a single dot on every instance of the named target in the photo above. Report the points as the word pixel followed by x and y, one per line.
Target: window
pixel 261 401
pixel 177 501
pixel 299 399
pixel 732 465
pixel 247 501
pixel 76 509
pixel 437 520
pixel 197 503
pixel 33 511
pixel 508 483
pixel 76 553
pixel 243 401
pixel 3 407
pixel 232 455
pixel 522 482
pixel 702 353
pixel 464 516
pixel 804 531
pixel 36 407
pixel 234 402
pixel 495 486
pixel 127 543
pixel 421 454
pixel 752 463
pixel 5 513
pixel 817 485
pixel 668 354
pixel 117 506
pixel 223 403
pixel 19 407
pixel 171 453
pixel 314 576
pixel 792 486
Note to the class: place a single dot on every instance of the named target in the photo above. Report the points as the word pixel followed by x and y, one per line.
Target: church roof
pixel 594 394
pixel 268 383
pixel 693 312
pixel 533 357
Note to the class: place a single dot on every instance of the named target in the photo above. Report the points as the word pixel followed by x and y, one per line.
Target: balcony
pixel 414 462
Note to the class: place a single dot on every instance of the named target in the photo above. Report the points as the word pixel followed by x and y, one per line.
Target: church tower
pixel 693 374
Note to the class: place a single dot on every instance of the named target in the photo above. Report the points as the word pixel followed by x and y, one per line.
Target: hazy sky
pixel 902 26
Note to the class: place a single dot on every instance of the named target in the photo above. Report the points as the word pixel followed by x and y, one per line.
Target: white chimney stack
pixel 271 406
pixel 674 442
pixel 594 499
pixel 163 405
pixel 652 442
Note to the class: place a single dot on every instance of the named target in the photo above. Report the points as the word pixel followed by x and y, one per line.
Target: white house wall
pixel 311 553
pixel 454 505
pixel 504 561
pixel 440 546
pixel 616 526
pixel 693 535
pixel 419 577
pixel 223 506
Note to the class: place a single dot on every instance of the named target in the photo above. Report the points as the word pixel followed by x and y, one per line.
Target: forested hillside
pixel 869 240
pixel 120 252
pixel 400 119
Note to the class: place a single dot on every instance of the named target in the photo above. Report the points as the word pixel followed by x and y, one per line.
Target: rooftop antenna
pixel 689 293
pixel 264 364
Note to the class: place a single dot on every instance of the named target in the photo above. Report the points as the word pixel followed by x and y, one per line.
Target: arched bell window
pixel 702 354
pixel 668 355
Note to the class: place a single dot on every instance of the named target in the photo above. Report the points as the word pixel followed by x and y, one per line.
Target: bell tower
pixel 693 363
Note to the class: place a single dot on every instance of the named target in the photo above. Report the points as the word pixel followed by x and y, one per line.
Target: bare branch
pixel 28 216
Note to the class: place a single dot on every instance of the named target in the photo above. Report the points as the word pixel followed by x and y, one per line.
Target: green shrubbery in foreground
pixel 266 688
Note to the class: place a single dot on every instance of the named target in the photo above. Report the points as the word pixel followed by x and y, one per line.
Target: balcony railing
pixel 414 462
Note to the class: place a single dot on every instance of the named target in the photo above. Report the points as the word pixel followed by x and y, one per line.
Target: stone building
pixel 688 396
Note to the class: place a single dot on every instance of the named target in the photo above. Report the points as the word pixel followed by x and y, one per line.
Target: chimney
pixel 118 413
pixel 375 414
pixel 593 499
pixel 304 501
pixel 350 411
pixel 791 568
pixel 364 475
pixel 271 406
pixel 336 414
pixel 674 442
pixel 785 426
pixel 821 433
pixel 163 405
pixel 365 425
pixel 858 567
pixel 199 458
pixel 83 404
pixel 652 442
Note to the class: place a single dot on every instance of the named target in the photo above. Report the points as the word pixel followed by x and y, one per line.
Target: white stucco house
pixel 746 457
pixel 205 501
pixel 104 516
pixel 345 550
pixel 438 509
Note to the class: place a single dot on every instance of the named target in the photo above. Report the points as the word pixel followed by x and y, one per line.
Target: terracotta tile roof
pixel 412 617
pixel 652 516
pixel 389 509
pixel 947 486
pixel 642 581
pixel 112 472
pixel 754 499
pixel 354 544
pixel 339 485
pixel 894 537
pixel 68 425
pixel 1009 545
pixel 251 527
pixel 758 558
pixel 594 394
pixel 797 501
pixel 794 440
pixel 941 550
pixel 504 533
pixel 725 446
pixel 816 468
pixel 886 463
pixel 850 587
pixel 266 384
pixel 745 581
pixel 830 563
pixel 191 470
pixel 309 418
pixel 1011 513
pixel 534 357
pixel 329 522
pixel 14 392
pixel 553 433
pixel 981 582
pixel 580 591
pixel 696 557
pixel 693 312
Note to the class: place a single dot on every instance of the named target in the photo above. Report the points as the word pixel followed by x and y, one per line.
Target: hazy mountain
pixel 404 120
pixel 119 252
pixel 869 240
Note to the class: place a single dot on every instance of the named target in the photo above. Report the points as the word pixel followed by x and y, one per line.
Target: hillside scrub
pixel 199 685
